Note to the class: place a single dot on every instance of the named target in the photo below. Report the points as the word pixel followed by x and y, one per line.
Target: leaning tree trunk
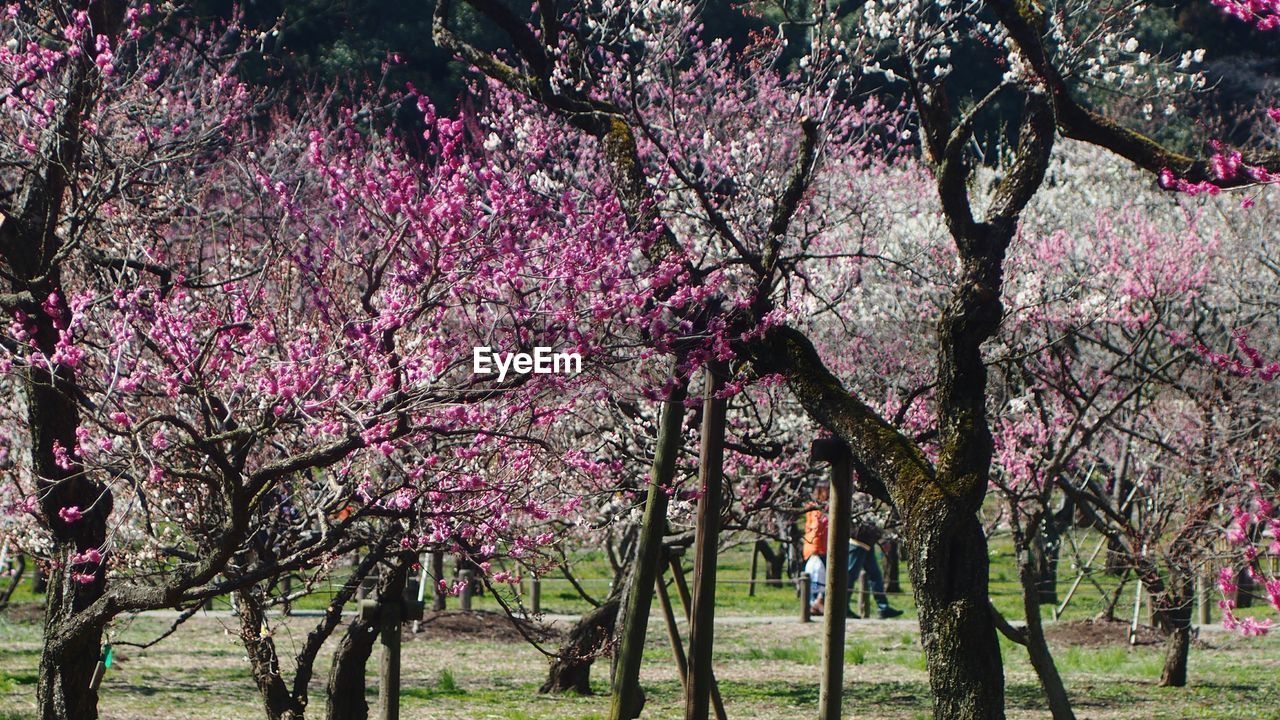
pixel 1055 693
pixel 347 682
pixel 19 570
pixel 571 670
pixel 347 673
pixel 774 563
pixel 278 700
pixel 1174 616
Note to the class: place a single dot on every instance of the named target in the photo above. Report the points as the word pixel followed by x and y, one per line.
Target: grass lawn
pixel 767 669
pixel 766 662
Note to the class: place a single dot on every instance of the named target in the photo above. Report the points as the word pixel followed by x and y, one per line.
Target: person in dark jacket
pixel 862 556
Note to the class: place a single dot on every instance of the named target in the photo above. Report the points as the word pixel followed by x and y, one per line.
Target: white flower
pixel 1131 45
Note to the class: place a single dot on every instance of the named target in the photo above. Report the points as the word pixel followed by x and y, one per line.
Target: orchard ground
pixel 767 662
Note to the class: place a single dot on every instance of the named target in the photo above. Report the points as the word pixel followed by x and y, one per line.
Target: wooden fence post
pixel 389 665
pixel 755 565
pixel 864 592
pixel 535 595
pixel 835 452
pixel 706 544
pixel 464 600
pixel 437 573
pixel 1203 588
pixel 805 584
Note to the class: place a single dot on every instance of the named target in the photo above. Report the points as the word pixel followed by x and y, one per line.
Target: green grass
pixel 766 670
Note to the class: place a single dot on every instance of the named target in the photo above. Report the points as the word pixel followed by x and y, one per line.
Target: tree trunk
pixel 628 699
pixel 347 684
pixel 347 679
pixel 277 698
pixel 949 572
pixel 1174 617
pixel 19 570
pixel 1055 693
pixel 571 670
pixel 892 567
pixel 1043 558
pixel 67 665
pixel 774 563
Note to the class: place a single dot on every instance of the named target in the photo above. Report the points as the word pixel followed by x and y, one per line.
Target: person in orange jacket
pixel 815 548
pixel 864 538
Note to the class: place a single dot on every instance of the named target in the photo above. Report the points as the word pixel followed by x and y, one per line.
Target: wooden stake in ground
pixel 437 574
pixel 389 664
pixel 835 452
pixel 682 663
pixel 627 698
pixel 705 545
pixel 395 604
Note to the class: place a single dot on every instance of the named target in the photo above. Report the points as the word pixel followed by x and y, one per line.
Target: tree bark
pixel 1055 693
pixel 949 572
pixel 278 700
pixel 346 688
pixel 1174 616
pixel 571 670
pixel 628 699
pixel 347 672
pixel 66 666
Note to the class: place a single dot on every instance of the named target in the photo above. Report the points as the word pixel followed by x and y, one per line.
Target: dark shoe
pixel 849 613
pixel 888 612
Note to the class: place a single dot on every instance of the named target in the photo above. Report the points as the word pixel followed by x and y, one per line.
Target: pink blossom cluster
pixel 1263 14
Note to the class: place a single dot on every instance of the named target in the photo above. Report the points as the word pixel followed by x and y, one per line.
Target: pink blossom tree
pixel 230 326
pixel 589 70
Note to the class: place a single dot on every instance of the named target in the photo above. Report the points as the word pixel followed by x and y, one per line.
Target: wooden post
pixel 864 593
pixel 391 609
pixel 437 574
pixel 1137 608
pixel 626 700
pixel 464 601
pixel 673 632
pixel 806 589
pixel 705 545
pixel 834 451
pixel 677 574
pixel 1203 588
pixel 893 568
pixel 535 595
pixel 755 566
pixel 389 666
